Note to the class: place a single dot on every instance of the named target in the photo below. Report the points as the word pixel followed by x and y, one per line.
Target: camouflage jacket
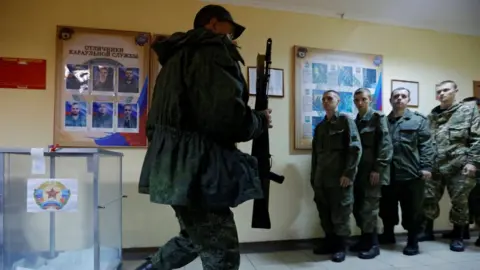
pixel 199 112
pixel 412 145
pixel 377 147
pixel 336 151
pixel 456 134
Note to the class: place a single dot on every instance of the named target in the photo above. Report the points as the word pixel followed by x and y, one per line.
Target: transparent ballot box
pixel 60 210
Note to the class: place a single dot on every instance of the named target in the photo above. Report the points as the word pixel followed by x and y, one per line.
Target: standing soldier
pixel 373 172
pixel 336 151
pixel 411 167
pixel 457 138
pixel 473 199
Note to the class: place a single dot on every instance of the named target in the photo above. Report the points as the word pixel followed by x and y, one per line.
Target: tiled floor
pixel 434 256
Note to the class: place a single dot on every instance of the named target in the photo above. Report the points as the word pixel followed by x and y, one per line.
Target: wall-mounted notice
pixel 23 73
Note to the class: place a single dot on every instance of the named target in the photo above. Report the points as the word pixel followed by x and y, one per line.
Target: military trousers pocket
pixel 345 195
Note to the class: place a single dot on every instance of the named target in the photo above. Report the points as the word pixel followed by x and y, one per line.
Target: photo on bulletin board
pixel 102 116
pixel 103 80
pixel 128 81
pixel 412 87
pixel 155 65
pixel 78 78
pixel 75 115
pixel 318 70
pixel 96 70
pixel 127 117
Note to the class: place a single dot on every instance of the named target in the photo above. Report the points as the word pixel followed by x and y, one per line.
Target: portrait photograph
pixel 127 117
pixel 128 80
pixel 77 77
pixel 103 78
pixel 102 115
pixel 75 115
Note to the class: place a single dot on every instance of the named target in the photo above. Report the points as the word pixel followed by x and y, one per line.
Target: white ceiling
pixel 455 16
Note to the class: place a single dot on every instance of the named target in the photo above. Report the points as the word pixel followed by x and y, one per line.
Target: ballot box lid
pixel 64 151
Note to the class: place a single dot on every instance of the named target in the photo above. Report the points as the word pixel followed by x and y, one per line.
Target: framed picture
pixel 102 90
pixel 412 87
pixel 275 85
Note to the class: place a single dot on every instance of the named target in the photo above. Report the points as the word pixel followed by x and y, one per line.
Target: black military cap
pixel 209 12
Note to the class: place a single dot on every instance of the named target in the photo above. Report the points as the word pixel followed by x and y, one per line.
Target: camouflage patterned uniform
pixel 376 157
pixel 336 152
pixel 195 241
pixel 457 139
pixel 199 113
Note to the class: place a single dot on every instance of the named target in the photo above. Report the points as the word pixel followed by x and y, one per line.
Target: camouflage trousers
pixel 458 186
pixel 212 235
pixel 366 206
pixel 334 205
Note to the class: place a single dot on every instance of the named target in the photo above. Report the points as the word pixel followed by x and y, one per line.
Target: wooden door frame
pixel 476 84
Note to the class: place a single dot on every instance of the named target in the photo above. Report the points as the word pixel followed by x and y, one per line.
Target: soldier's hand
pixel 344 181
pixel 426 175
pixel 469 170
pixel 374 178
pixel 268 113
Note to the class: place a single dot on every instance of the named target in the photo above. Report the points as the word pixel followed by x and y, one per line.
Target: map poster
pixel 102 89
pixel 319 70
pixel 52 195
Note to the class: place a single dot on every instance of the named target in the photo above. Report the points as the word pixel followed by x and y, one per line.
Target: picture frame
pixel 276 83
pixel 413 87
pixel 97 72
pixel 317 70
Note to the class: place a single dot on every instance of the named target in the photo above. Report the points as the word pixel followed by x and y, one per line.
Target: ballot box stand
pixel 87 235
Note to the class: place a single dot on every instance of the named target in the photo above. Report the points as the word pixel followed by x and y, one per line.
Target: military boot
pixel 360 245
pixel 427 232
pixel 340 249
pixel 388 236
pixel 457 244
pixel 412 244
pixel 372 250
pixel 466 233
pixel 477 243
pixel 326 246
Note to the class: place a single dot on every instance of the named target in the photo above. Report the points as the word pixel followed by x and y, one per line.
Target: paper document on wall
pixel 52 195
pixel 38 161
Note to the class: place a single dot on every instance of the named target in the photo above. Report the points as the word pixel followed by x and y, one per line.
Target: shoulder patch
pixel 419 114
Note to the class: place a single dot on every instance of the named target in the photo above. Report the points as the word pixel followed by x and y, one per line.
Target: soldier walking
pixel 199 112
pixel 336 151
pixel 373 172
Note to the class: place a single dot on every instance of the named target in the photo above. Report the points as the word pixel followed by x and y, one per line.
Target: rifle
pixel 261 145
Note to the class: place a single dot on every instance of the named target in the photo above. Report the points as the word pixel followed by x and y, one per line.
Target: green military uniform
pixel 199 112
pixel 376 157
pixel 336 152
pixel 457 139
pixel 412 153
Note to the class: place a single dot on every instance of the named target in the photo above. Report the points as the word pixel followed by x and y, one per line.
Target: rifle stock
pixel 261 145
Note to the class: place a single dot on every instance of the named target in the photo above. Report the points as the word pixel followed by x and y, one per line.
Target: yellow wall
pixel 27 29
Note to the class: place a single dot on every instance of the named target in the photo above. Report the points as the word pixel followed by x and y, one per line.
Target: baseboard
pixel 250 247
